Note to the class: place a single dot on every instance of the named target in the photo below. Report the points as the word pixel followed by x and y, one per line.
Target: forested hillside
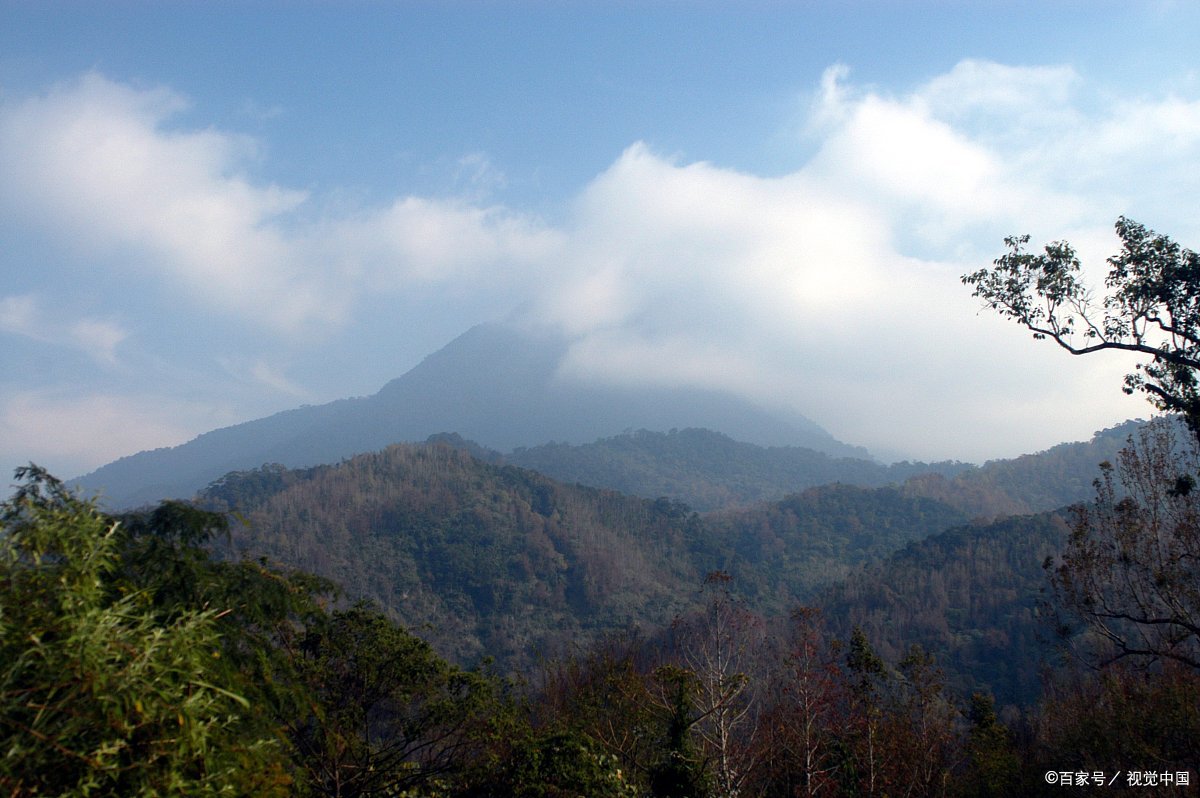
pixel 970 596
pixel 499 560
pixel 484 559
pixel 782 552
pixel 238 676
pixel 1032 483
pixel 709 470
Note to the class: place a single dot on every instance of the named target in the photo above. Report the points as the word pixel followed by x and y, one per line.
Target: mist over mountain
pixel 497 384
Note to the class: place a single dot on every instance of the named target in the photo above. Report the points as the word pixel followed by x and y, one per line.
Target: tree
pixel 869 679
pixel 1130 574
pixel 807 709
pixel 992 763
pixel 716 646
pixel 98 694
pixel 605 694
pixel 679 771
pixel 924 728
pixel 386 713
pixel 558 765
pixel 1151 308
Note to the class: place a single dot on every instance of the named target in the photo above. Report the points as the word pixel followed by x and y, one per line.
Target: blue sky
pixel 214 211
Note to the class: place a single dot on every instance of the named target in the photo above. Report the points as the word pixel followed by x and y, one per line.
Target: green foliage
pixel 1152 308
pixel 384 711
pixel 99 696
pixel 606 694
pixel 786 551
pixel 1122 715
pixel 972 595
pixel 993 767
pixel 558 765
pixel 1032 483
pixel 679 771
pixel 488 560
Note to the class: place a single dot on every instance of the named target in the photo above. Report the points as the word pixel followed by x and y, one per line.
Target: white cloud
pixel 837 288
pixel 476 172
pixel 18 314
pixel 423 242
pixel 25 315
pixel 834 289
pixel 97 159
pixel 99 165
pixel 262 374
pixel 99 338
pixel 1021 97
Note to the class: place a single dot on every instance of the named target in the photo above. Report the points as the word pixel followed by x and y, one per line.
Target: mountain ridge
pixel 497 384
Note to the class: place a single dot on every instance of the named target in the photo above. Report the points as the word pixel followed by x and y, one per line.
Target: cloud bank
pixel 833 290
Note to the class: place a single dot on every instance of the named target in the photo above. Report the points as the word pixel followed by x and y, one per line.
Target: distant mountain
pixel 1032 483
pixel 497 384
pixel 708 470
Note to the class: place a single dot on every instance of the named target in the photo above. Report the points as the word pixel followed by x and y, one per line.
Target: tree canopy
pixel 1151 307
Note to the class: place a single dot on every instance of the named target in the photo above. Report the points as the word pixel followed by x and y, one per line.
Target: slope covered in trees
pixel 1057 477
pixel 972 596
pixel 784 551
pixel 491 559
pixel 499 560
pixel 709 470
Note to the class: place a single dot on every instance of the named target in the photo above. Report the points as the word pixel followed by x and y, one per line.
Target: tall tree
pixel 992 766
pixel 386 712
pixel 809 695
pixel 1130 574
pixel 716 645
pixel 869 681
pixel 924 729
pixel 1151 307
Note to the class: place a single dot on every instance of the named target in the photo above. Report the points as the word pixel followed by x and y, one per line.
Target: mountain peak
pixel 496 384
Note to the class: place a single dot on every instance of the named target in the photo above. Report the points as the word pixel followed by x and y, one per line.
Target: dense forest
pixel 498 560
pixel 708 470
pixel 140 659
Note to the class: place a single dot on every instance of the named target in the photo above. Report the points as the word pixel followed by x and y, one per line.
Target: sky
pixel 211 212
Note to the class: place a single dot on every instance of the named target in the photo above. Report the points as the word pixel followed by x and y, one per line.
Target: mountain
pixel 492 558
pixel 970 596
pixel 1032 483
pixel 478 558
pixel 708 470
pixel 497 384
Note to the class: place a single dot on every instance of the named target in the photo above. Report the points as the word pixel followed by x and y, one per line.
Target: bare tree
pixel 811 696
pixel 1131 569
pixel 717 647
